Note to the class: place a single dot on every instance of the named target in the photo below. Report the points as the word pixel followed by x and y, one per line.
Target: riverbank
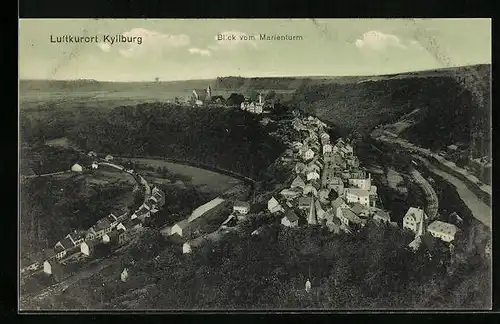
pixel 481 211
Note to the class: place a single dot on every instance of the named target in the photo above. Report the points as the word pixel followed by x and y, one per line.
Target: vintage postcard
pixel 255 165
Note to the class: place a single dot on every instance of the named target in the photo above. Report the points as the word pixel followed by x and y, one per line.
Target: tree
pixel 270 95
pixel 157 79
pixel 235 99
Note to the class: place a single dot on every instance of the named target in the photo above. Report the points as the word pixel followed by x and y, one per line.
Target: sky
pixel 184 49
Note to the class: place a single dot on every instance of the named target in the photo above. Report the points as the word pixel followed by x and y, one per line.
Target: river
pixel 479 209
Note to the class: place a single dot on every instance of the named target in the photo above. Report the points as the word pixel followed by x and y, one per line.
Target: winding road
pixel 430 194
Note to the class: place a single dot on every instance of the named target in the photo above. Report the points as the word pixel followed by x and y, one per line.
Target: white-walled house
pixel 309 154
pixel 361 196
pixel 290 219
pixel 327 148
pixel 274 206
pixel 181 228
pixel 312 175
pixel 444 231
pixel 362 183
pixel 412 218
pixel 76 168
pixel 241 207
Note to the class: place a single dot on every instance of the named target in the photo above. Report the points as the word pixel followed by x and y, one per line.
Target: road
pixel 430 194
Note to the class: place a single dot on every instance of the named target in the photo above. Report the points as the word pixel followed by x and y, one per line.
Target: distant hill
pixel 449 104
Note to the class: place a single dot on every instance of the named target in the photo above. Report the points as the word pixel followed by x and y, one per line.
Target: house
pixel 76 168
pixel 298 182
pixel 323 195
pixel 142 213
pixel 159 196
pixel 290 219
pixel 108 157
pixel 113 220
pixel 102 227
pixel 310 188
pixel 304 202
pixel 186 248
pixel 327 148
pixel 296 145
pixel 452 147
pixel 309 154
pixel 241 207
pixel 444 231
pixel 201 210
pixel 181 228
pixel 130 225
pixel 349 218
pixel 324 136
pixel 353 195
pixel 413 218
pixel 361 183
pixel 454 218
pixel 312 175
pixel 92 154
pixel 352 161
pixel 291 193
pixel 381 216
pixel 274 206
pixel 360 210
pixel 333 224
pixel 76 237
pixel 339 203
pixel 119 236
pixel 313 166
pixel 320 212
pixel 189 245
pixel 95 165
pixel 148 205
pixel 300 167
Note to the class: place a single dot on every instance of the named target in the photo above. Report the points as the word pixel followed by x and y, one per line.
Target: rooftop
pixel 241 204
pixel 291 216
pixel 358 192
pixel 442 227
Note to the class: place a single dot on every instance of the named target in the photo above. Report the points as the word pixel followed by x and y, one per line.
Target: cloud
pixel 202 52
pixel 105 47
pixel 378 41
pixel 141 41
pixel 232 40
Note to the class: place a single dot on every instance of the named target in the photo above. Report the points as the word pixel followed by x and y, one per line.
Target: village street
pixel 430 195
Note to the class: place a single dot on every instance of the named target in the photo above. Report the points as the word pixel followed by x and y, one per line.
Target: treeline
pixel 52 208
pixel 449 106
pixel 278 83
pixel 225 138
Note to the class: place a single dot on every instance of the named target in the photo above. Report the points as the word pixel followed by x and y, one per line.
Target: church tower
pixel 209 92
pixel 311 219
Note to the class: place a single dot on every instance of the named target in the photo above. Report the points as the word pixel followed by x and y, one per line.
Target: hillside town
pixel 329 189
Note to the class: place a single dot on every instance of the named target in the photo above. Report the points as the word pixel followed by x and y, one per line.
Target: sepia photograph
pixel 254 165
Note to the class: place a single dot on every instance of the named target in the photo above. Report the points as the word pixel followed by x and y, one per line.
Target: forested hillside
pixel 451 103
pixel 224 138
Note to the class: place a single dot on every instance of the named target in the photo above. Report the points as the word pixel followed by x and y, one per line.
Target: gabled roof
pixel 241 204
pixel 291 216
pixel 358 208
pixel 298 182
pixel 349 214
pixel 305 201
pixel 358 192
pixel 102 224
pixel 382 214
pixel 337 203
pixel 182 224
pixel 442 227
pixel 49 253
pixel 415 213
pixel 141 211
